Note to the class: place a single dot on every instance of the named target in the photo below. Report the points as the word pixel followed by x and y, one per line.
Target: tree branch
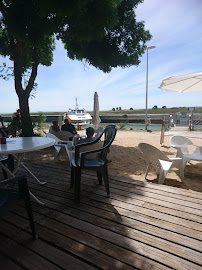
pixel 17 48
pixel 33 73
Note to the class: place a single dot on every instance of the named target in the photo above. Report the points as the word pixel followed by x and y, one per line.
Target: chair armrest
pixel 62 141
pixel 198 149
pixel 176 158
pixel 22 183
pixel 9 180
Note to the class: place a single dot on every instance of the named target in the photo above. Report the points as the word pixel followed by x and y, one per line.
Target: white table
pixel 18 147
pixel 188 157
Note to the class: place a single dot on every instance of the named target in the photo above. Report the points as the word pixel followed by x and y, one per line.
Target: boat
pixel 78 117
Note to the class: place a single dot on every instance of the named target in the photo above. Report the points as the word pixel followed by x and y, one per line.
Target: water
pixel 139 126
pixel 127 126
pixel 142 126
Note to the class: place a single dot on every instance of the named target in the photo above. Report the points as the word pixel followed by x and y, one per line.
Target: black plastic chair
pixel 9 196
pixel 99 164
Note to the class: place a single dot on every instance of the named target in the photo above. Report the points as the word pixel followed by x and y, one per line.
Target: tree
pixel 103 33
pixel 113 109
pixel 155 107
pixel 163 107
pixel 131 109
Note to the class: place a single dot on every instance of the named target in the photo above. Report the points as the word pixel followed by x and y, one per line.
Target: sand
pixel 128 161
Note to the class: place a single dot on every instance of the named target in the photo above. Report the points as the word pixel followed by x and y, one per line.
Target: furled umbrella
pixel 183 83
pixel 96 119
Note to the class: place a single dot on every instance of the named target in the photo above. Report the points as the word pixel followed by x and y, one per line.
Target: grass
pixel 136 111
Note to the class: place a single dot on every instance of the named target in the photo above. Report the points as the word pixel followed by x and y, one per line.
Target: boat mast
pixel 76 104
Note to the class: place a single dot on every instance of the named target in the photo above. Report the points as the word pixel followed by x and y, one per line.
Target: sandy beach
pixel 128 161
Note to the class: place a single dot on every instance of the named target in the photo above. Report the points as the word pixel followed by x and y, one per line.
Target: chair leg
pixel 147 170
pixel 161 177
pixel 165 167
pixel 57 155
pixel 3 171
pixel 106 179
pixel 25 192
pixel 99 176
pixel 77 183
pixel 9 163
pixel 181 169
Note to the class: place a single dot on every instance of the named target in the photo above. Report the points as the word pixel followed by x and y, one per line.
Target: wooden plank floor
pixel 142 225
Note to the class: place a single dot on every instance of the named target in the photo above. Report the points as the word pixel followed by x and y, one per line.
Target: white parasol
pixel 96 119
pixel 183 84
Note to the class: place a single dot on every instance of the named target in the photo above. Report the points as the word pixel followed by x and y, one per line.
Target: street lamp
pixel 148 48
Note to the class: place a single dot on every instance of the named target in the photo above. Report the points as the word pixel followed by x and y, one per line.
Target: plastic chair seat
pixel 89 163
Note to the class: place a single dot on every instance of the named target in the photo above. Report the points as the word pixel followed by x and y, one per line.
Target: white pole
pixel 148 48
pixel 146 93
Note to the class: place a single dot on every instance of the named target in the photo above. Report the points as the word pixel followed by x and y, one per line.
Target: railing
pixel 197 121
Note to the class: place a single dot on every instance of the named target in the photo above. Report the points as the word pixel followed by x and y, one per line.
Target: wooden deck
pixel 142 226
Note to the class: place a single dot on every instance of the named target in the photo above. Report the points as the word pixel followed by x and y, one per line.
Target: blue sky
pixel 176 27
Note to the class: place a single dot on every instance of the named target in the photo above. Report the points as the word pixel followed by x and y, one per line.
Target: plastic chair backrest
pixel 64 135
pixel 109 134
pixel 179 141
pixel 95 146
pixel 152 154
pixel 98 132
pixel 50 135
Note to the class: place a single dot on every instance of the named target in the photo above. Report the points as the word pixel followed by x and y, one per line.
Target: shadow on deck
pixel 142 225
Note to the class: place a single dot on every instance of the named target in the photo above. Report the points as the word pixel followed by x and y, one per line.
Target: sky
pixel 176 27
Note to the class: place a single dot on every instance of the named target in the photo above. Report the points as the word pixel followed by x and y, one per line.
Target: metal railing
pixel 197 121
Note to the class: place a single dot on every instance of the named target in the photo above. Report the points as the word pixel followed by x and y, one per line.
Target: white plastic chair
pixel 61 144
pixel 160 162
pixel 181 143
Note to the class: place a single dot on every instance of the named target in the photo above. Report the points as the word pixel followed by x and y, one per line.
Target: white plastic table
pixel 18 147
pixel 188 157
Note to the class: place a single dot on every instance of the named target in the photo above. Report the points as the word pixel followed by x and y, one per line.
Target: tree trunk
pixel 18 48
pixel 27 130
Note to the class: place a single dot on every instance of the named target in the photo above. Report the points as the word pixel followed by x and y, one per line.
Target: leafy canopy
pixel 104 33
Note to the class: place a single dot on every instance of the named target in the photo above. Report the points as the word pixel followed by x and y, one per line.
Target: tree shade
pixel 104 33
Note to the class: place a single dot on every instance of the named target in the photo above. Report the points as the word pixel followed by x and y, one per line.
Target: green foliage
pixel 153 111
pixel 123 124
pixel 14 127
pixel 41 120
pixel 155 107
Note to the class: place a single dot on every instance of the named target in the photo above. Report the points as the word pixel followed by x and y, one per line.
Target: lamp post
pixel 148 48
